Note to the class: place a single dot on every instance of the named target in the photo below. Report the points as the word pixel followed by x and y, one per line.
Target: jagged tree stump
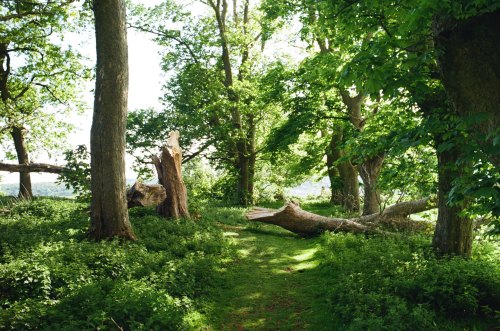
pixel 168 167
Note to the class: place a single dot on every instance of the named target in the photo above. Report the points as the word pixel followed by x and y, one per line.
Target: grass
pixel 271 284
pixel 223 273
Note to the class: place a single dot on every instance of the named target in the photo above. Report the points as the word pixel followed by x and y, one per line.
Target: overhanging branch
pixel 33 167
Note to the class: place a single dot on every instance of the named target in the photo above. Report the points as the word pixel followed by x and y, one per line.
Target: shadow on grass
pixel 271 285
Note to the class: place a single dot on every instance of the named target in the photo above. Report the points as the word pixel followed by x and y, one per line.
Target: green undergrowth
pixel 222 272
pixel 399 284
pixel 52 278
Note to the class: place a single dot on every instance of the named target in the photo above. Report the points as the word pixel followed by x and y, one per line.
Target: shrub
pixel 51 277
pixel 398 284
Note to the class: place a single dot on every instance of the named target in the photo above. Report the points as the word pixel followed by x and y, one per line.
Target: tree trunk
pixel 334 177
pixel 109 215
pixel 243 180
pixel 453 233
pixel 25 191
pixel 168 167
pixel 347 191
pixel 252 158
pixel 304 223
pixel 369 171
pixel 243 165
pixel 470 65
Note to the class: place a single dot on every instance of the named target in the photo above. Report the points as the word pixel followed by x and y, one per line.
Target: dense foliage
pixel 182 275
pixel 399 284
pixel 53 278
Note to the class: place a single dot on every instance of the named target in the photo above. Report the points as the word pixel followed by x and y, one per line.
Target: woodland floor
pixel 271 284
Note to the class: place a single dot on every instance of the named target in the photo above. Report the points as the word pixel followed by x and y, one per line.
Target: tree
pixel 470 67
pixel 399 61
pixel 109 215
pixel 213 96
pixel 40 78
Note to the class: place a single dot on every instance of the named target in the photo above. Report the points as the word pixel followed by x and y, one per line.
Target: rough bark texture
pixel 470 67
pixel 33 167
pixel 168 167
pixel 453 233
pixel 109 215
pixel 346 193
pixel 369 171
pixel 142 195
pixel 304 223
pixel 25 191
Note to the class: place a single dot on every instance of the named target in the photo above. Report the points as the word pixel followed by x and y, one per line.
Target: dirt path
pixel 271 285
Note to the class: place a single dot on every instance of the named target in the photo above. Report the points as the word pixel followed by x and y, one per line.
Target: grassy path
pixel 272 283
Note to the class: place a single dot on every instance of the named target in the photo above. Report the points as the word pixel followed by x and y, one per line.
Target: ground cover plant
pixel 224 273
pixel 52 277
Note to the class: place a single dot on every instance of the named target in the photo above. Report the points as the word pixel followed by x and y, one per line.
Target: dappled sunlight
pixel 269 284
pixel 306 254
pixel 230 234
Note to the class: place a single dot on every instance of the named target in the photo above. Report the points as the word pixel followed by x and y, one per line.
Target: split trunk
pixel 168 167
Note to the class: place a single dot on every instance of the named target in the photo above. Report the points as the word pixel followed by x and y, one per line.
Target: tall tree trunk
pixel 25 191
pixel 453 233
pixel 109 214
pixel 240 143
pixel 369 171
pixel 333 175
pixel 243 181
pixel 347 194
pixel 252 158
pixel 470 65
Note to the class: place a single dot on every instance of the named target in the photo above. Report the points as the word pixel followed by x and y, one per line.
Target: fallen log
pixel 32 167
pixel 304 223
pixel 142 195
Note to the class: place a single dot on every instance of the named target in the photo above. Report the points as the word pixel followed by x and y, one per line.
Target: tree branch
pixel 162 34
pixel 33 167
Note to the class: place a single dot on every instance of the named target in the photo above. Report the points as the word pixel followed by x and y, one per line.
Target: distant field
pixel 51 189
pixel 39 189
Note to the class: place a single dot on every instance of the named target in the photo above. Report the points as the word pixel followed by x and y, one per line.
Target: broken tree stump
pixel 304 223
pixel 168 168
pixel 142 195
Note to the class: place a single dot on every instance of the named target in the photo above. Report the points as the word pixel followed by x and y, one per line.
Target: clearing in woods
pixel 272 284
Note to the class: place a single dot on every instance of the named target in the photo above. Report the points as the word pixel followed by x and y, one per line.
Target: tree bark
pixel 168 167
pixel 142 195
pixel 347 194
pixel 304 223
pixel 32 167
pixel 109 215
pixel 470 65
pixel 453 233
pixel 25 191
pixel 369 171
